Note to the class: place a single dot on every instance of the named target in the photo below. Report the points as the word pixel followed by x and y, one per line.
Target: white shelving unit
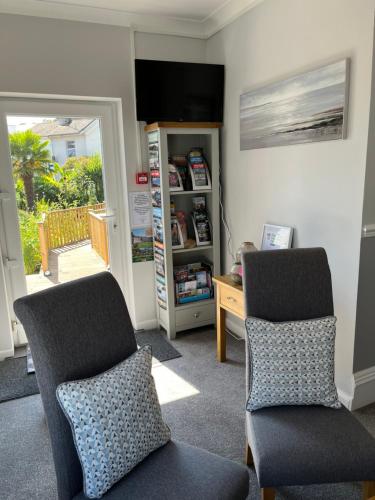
pixel 165 140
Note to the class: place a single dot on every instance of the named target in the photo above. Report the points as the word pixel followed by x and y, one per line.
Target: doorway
pixel 61 199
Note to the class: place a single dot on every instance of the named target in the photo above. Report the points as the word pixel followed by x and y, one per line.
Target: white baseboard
pixel 364 388
pixel 148 324
pixel 235 327
pixel 7 353
pixel 345 398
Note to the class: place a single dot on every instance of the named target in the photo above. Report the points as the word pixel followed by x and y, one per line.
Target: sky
pixel 21 123
pixel 320 78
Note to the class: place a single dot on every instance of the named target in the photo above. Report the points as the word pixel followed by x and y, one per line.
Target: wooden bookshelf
pixel 166 139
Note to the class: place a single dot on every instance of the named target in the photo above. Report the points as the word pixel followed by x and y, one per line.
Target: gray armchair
pixel 299 445
pixel 77 330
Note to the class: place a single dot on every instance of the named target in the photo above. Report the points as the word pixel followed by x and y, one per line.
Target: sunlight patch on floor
pixel 170 386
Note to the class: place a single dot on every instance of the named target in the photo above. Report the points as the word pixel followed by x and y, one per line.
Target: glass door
pixel 59 192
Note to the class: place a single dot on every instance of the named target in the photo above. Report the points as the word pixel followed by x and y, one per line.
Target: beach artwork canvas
pixel 305 108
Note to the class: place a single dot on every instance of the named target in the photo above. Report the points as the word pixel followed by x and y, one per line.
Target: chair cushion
pixel 292 363
pixel 180 471
pixel 296 445
pixel 115 419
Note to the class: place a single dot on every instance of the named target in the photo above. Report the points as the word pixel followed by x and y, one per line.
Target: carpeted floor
pixel 17 375
pixel 202 401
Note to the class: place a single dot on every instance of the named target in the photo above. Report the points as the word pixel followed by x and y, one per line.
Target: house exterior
pixel 70 137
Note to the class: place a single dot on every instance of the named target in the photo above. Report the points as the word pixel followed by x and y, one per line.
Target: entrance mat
pixel 162 349
pixel 15 382
pixel 17 376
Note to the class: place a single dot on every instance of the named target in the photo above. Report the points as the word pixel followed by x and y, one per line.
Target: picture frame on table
pixel 276 237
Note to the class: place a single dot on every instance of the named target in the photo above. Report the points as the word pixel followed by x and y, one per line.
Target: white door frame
pixel 12 281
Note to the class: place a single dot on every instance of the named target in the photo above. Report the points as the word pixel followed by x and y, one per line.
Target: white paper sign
pixel 140 209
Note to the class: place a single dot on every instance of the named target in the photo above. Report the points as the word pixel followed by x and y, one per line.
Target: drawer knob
pixel 231 299
pixel 196 315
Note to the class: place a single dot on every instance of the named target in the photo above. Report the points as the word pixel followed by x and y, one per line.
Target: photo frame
pixel 276 237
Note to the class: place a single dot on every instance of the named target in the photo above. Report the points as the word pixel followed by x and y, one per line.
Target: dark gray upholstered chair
pixel 78 330
pixel 298 445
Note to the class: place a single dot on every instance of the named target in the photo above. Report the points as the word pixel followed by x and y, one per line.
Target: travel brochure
pixel 193 282
pixel 189 172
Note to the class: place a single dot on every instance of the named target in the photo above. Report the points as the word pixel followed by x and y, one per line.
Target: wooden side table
pixel 229 297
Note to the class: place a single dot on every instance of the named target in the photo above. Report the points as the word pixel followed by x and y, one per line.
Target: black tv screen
pixel 179 92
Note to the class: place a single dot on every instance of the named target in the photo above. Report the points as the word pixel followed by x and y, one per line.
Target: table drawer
pixel 195 315
pixel 232 299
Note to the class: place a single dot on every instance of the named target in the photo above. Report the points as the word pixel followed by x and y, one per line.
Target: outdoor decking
pixel 65 264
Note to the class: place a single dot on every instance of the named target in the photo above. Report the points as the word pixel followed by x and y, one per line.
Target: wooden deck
pixel 65 264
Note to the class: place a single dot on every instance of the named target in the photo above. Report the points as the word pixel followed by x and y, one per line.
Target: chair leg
pixel 368 490
pixel 267 494
pixel 249 456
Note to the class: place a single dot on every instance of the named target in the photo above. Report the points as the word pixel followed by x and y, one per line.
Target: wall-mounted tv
pixel 179 92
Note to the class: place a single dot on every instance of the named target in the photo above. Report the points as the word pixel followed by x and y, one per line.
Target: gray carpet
pixel 212 419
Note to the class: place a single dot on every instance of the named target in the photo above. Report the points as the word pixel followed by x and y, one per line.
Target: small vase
pixel 236 269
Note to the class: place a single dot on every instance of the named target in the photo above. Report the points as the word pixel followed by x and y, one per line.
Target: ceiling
pixel 195 10
pixel 193 18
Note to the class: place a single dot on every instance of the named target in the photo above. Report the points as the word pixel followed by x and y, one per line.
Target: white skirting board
pixel 364 388
pixel 236 326
pixel 149 324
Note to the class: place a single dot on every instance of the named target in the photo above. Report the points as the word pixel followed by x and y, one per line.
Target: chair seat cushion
pixel 178 471
pixel 296 445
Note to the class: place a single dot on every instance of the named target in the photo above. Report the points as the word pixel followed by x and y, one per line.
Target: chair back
pixel 75 330
pixel 287 285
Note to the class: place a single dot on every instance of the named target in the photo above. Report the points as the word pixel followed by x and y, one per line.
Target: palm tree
pixel 30 156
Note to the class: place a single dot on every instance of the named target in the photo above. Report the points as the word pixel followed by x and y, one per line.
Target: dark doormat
pixel 162 349
pixel 15 382
pixel 18 380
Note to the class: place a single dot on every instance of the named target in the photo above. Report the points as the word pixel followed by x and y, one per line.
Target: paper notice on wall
pixel 140 209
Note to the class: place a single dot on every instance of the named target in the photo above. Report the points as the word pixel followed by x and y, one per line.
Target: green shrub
pixel 30 241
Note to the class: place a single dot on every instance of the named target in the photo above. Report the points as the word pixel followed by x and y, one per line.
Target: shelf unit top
pixel 157 125
pixel 197 191
pixel 194 249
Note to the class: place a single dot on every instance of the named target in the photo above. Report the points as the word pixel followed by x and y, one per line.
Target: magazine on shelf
pixel 182 166
pixel 175 181
pixel 176 234
pixel 193 282
pixel 201 223
pixel 200 174
pixel 156 198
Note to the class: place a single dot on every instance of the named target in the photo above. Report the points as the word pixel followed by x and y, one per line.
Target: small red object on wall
pixel 142 178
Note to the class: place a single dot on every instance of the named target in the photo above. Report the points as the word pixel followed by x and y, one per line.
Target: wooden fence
pixel 64 227
pixel 99 235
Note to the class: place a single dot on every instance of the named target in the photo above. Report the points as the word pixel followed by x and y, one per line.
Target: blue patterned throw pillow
pixel 115 419
pixel 291 363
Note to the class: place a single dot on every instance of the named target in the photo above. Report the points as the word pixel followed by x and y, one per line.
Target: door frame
pixel 109 110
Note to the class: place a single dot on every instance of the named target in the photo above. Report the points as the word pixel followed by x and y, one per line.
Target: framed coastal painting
pixel 305 108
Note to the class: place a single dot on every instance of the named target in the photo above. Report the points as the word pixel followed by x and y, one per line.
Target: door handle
pixel 10 263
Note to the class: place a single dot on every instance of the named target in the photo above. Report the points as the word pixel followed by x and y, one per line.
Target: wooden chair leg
pixel 249 456
pixel 267 494
pixel 368 490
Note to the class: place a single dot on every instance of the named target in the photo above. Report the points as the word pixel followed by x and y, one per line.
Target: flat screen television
pixel 179 92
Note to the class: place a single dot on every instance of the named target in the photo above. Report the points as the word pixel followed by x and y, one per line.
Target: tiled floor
pixel 66 264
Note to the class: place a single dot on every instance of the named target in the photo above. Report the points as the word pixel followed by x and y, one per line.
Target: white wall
pixel 58 145
pixel 316 188
pixel 93 139
pixel 51 56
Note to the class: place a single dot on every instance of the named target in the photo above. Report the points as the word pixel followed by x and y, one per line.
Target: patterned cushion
pixel 116 420
pixel 292 363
